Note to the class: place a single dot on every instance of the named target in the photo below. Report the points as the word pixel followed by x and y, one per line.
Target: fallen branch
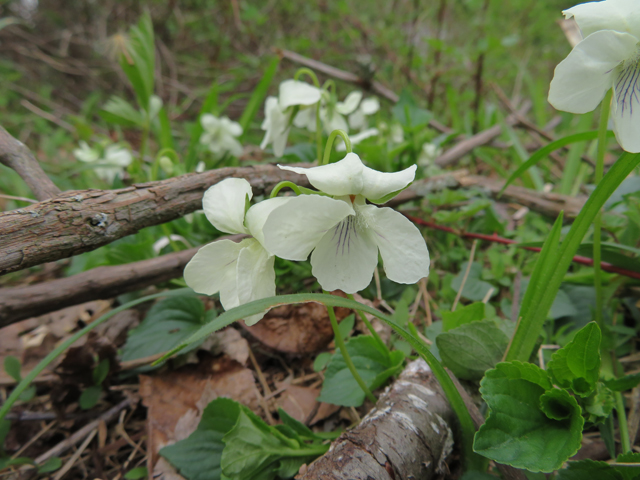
pixel 464 147
pixel 407 435
pixel 15 155
pixel 80 221
pixel 549 204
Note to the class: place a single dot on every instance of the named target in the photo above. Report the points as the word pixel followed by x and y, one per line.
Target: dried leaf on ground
pixel 300 329
pixel 175 401
pixel 299 402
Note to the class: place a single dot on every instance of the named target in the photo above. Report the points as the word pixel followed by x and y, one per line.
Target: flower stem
pixel 329 145
pixel 366 321
pixel 347 358
pixel 310 73
pixel 597 221
pixel 622 423
pixel 285 184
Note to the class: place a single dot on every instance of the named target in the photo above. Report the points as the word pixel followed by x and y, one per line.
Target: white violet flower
pixel 344 233
pixel 220 135
pixel 358 137
pixel 368 106
pixel 608 57
pixel 116 158
pixel 241 272
pixel 277 112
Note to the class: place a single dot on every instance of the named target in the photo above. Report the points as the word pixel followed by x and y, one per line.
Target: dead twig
pixel 15 155
pixel 81 221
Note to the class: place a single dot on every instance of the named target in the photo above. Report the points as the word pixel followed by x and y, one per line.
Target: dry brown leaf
pixel 300 329
pixel 232 344
pixel 299 402
pixel 175 400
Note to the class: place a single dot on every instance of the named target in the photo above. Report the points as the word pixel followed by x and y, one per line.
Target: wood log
pixel 409 434
pixel 79 221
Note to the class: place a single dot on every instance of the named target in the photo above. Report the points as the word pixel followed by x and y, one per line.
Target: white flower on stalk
pixel 241 272
pixel 368 106
pixel 277 112
pixel 609 56
pixel 220 135
pixel 344 233
pixel 332 115
pixel 428 154
pixel 111 164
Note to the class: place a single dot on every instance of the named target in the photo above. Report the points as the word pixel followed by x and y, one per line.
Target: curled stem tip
pixel 329 145
pixel 285 184
pixel 310 73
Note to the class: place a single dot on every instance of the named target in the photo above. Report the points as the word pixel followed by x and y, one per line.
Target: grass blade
pixel 258 95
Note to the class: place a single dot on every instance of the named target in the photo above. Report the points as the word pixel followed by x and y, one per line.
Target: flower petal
pixel 224 204
pixel 257 216
pixel 276 124
pixel 404 252
pixel 233 128
pixel 333 121
pixel 340 178
pixel 209 122
pixel 379 184
pixel 213 269
pixel 306 118
pixel 350 103
pixel 295 228
pixel 625 110
pixel 370 105
pixel 581 80
pixel 294 92
pixel 255 276
pixel 345 257
pixel 357 120
pixel 618 15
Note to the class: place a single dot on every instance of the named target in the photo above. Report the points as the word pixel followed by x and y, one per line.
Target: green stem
pixel 347 358
pixel 285 184
pixel 310 73
pixel 318 134
pixel 329 84
pixel 366 321
pixel 329 145
pixel 167 231
pixel 24 383
pixel 597 221
pixel 622 422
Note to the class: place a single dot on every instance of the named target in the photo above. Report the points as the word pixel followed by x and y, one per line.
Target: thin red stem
pixel 506 241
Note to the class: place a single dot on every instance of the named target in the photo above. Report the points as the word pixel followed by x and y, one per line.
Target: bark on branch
pixel 15 155
pixel 79 221
pixel 408 435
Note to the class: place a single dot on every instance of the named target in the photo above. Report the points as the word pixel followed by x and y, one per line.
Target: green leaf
pixel 613 254
pixel 136 473
pixel 120 112
pixel 298 427
pixel 210 105
pixel 12 367
pixel 544 151
pixel 577 365
pixel 408 114
pixel 553 268
pixel 517 432
pixel 322 361
pixel 474 288
pixel 599 404
pixel 166 138
pixel 589 470
pixel 139 64
pixel 89 397
pixel 253 450
pixel 472 349
pixel 557 404
pixel 374 364
pixel 258 95
pixel 7 462
pixel 625 383
pixel 168 323
pixel 470 313
pixel 628 465
pixel 198 456
pixel 101 371
pixel 51 465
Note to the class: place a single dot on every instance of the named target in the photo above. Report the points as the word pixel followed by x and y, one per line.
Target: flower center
pixel 627 86
pixel 344 234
